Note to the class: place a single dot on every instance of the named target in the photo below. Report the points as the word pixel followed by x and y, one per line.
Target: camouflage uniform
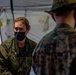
pixel 15 60
pixel 56 50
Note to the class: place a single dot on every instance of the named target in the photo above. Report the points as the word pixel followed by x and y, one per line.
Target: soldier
pixel 16 53
pixel 57 49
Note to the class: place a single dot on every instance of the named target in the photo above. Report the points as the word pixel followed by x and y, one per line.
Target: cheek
pixel 14 30
pixel 75 18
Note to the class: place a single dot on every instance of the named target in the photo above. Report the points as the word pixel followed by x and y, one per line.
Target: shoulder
pixel 46 41
pixel 33 43
pixel 7 42
pixel 4 47
pixel 48 38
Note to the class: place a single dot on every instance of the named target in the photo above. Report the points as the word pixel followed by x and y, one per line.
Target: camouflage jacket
pixel 15 60
pixel 55 52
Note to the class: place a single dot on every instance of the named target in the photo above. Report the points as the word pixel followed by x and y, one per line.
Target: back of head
pixel 62 6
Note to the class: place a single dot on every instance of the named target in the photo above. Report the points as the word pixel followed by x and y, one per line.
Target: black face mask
pixel 19 35
pixel 75 19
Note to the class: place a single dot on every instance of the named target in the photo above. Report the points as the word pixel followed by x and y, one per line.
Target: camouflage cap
pixel 60 3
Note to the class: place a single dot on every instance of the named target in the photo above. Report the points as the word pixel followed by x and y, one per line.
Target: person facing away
pixel 16 53
pixel 56 50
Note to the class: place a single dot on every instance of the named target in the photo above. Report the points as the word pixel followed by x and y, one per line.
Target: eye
pixel 20 29
pixel 17 28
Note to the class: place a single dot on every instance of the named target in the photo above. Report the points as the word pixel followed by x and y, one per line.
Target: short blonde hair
pixel 24 21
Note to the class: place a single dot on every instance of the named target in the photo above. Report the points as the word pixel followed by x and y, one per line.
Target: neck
pixel 66 19
pixel 21 43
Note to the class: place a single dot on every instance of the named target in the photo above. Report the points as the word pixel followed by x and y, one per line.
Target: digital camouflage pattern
pixel 60 3
pixel 55 52
pixel 67 1
pixel 15 60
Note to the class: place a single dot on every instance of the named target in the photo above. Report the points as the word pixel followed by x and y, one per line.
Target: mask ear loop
pixel 75 19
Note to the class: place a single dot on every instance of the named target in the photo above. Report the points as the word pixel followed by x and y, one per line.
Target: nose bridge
pixel 18 30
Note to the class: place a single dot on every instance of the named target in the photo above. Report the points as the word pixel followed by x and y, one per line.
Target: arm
pixel 39 62
pixel 73 67
pixel 43 63
pixel 4 62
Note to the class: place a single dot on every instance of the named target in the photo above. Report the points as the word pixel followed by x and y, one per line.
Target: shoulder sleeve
pixel 41 54
pixel 4 61
pixel 32 44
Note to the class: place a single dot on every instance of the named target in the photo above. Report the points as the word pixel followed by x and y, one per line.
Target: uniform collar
pixel 64 27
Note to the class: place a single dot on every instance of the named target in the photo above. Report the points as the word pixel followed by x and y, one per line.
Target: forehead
pixel 19 24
